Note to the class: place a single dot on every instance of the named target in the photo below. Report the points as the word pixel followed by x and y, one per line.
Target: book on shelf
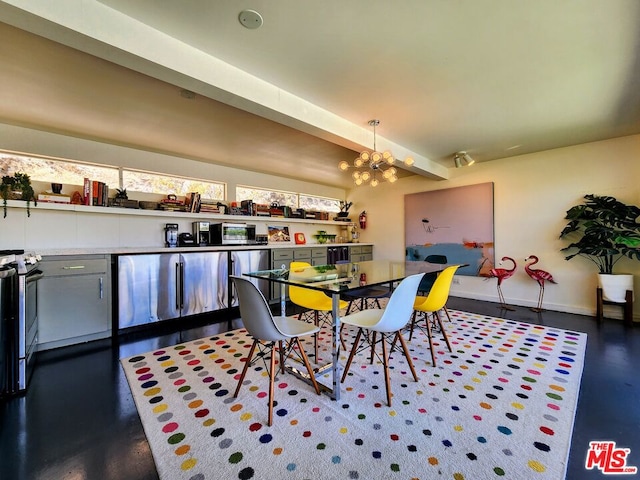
pixel 95 193
pixel 48 197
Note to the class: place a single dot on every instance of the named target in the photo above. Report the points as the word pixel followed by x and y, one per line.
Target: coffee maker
pixel 201 233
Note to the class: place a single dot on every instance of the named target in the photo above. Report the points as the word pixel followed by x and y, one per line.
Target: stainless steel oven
pixel 22 332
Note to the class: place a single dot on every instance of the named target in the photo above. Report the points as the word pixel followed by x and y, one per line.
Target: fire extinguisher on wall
pixel 363 220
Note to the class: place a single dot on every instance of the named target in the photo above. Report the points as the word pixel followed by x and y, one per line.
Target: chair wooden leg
pixel 344 345
pixel 385 364
pixel 246 367
pixel 272 375
pixel 351 355
pixel 444 332
pixel 308 365
pixel 406 354
pixel 447 312
pixel 433 355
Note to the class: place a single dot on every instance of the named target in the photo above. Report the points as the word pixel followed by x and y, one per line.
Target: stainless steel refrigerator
pixel 158 287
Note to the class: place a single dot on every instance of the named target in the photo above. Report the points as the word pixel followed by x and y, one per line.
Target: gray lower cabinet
pixel 362 253
pixel 74 300
pixel 280 257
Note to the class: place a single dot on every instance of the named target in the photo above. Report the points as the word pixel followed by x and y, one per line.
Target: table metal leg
pixel 336 345
pixel 283 300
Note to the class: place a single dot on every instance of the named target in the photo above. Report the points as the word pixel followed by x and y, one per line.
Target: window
pixel 320 204
pixel 49 170
pixel 70 172
pixel 266 197
pixel 146 182
pixel 293 200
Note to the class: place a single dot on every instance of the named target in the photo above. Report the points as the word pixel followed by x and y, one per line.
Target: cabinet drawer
pixel 318 252
pixel 302 254
pixel 284 254
pixel 73 267
pixel 356 250
pixel 367 249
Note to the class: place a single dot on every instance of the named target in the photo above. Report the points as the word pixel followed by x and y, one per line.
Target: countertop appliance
pixel 201 233
pixel 22 331
pixel 232 234
pixel 186 240
pixel 171 235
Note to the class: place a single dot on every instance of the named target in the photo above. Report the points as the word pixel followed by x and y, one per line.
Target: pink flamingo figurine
pixel 539 276
pixel 502 274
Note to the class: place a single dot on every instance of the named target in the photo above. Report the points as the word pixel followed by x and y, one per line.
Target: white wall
pixel 532 193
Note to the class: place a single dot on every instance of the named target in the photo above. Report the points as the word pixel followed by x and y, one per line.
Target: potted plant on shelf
pixel 17 187
pixel 344 209
pixel 604 230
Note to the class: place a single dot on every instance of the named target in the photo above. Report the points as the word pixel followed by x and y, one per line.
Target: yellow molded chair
pixel 388 322
pixel 270 332
pixel 312 301
pixel 431 305
pixel 430 278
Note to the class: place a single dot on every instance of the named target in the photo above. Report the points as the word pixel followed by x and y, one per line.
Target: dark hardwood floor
pixel 78 419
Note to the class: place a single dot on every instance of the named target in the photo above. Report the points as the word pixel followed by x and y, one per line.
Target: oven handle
pixel 34 276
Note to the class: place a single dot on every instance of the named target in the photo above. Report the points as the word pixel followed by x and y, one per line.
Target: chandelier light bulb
pixel 371 161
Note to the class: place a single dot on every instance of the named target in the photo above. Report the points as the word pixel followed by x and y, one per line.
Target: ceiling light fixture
pixel 463 159
pixel 370 163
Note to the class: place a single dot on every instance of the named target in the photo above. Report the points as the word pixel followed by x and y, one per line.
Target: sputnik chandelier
pixel 371 165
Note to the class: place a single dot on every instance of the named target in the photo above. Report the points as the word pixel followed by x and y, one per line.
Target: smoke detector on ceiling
pixel 250 19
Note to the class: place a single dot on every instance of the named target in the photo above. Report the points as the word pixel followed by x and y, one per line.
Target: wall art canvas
pixel 278 233
pixel 455 222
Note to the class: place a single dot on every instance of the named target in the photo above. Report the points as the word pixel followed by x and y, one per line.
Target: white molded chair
pixel 388 322
pixel 269 333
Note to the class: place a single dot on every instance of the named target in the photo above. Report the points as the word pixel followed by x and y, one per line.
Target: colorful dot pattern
pixel 500 405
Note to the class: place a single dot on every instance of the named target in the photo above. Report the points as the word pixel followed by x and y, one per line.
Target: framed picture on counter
pixel 279 233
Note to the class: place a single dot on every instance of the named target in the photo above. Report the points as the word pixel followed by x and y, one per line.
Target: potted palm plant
pixel 18 187
pixel 604 230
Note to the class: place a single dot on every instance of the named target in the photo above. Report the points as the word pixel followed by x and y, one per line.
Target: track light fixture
pixel 371 163
pixel 463 159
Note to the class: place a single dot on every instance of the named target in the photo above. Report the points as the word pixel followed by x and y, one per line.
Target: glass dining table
pixel 335 280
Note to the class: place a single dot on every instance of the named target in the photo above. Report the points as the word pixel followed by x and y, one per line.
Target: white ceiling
pixel 496 78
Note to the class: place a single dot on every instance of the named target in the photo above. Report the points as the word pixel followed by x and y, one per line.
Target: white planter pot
pixel 614 287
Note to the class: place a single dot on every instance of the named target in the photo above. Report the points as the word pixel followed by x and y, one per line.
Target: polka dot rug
pixel 501 405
